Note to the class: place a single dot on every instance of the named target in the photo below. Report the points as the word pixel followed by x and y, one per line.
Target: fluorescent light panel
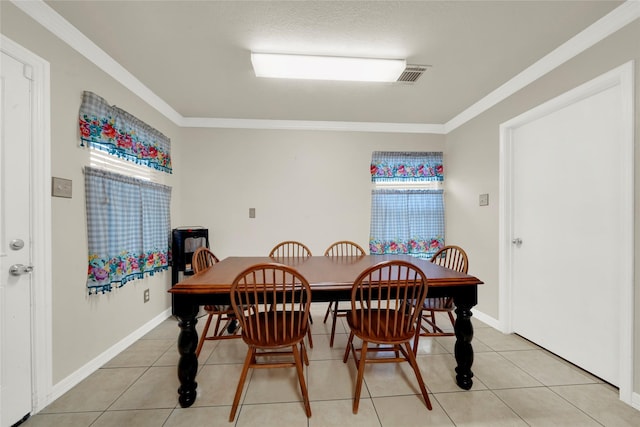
pixel 327 67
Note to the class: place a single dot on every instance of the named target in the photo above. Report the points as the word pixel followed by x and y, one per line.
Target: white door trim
pixel 622 76
pixel 41 297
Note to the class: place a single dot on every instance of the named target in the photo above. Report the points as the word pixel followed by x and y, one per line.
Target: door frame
pixel 622 76
pixel 40 199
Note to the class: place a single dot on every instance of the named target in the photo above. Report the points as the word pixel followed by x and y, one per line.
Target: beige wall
pixel 85 326
pixel 472 153
pixel 309 186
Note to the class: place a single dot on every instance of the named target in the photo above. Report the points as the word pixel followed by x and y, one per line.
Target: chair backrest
pixel 280 299
pixel 453 257
pixel 386 300
pixel 344 248
pixel 290 249
pixel 202 259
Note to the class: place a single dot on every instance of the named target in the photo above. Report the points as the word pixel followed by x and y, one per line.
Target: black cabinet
pixel 184 242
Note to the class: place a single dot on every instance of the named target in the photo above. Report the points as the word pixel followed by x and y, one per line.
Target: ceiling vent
pixel 412 73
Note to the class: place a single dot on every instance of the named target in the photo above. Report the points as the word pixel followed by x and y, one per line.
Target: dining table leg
pixel 188 363
pixel 463 350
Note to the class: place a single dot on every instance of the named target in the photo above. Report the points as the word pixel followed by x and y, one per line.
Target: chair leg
pixel 326 315
pixel 204 335
pixel 309 337
pixel 417 337
pixel 416 369
pixel 429 326
pixel 333 325
pixel 453 320
pixel 216 330
pixel 432 316
pixel 243 376
pixel 361 365
pixel 303 350
pixel 346 353
pixel 303 385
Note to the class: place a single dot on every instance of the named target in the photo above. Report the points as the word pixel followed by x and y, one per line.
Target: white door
pixel 15 250
pixel 569 236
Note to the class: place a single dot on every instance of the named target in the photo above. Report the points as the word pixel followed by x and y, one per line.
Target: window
pixel 103 160
pixel 128 227
pixel 407 203
pixel 128 207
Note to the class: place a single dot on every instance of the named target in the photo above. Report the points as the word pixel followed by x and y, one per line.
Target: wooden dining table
pixel 330 278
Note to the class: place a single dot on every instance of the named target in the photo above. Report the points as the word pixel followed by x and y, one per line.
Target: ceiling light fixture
pixel 327 67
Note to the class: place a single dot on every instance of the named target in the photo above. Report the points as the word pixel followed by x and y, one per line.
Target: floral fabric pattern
pixel 422 248
pixel 396 166
pixel 123 268
pixel 128 227
pixel 110 129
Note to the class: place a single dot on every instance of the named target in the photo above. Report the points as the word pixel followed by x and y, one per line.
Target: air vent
pixel 412 73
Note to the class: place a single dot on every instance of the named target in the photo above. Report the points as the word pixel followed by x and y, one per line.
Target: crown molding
pixel 196 122
pixel 42 13
pixel 60 27
pixel 621 16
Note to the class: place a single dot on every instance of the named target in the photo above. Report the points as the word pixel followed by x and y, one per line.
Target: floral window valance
pixel 128 228
pixel 110 129
pixel 406 166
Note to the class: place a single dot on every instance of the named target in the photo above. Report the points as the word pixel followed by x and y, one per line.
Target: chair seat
pixel 379 326
pixel 286 334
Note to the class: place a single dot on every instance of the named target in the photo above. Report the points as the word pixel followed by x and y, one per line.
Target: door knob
pixel 517 241
pixel 18 269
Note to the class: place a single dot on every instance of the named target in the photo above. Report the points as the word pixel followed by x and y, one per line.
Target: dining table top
pixel 322 272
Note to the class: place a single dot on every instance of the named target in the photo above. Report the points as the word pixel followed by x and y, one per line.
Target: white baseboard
pixel 72 380
pixel 635 400
pixel 494 323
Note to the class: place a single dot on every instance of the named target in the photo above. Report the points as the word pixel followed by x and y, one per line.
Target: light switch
pixel 252 212
pixel 484 200
pixel 61 187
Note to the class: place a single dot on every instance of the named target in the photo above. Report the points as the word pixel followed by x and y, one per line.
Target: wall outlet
pixel 252 212
pixel 146 295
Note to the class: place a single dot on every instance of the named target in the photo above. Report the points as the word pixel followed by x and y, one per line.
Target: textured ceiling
pixel 195 55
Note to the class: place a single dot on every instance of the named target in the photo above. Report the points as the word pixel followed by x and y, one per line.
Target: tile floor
pixel 515 384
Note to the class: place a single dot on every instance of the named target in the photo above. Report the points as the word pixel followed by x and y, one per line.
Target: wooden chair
pixel 276 324
pixel 290 249
pixel 338 249
pixel 202 259
pixel 382 312
pixel 454 258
